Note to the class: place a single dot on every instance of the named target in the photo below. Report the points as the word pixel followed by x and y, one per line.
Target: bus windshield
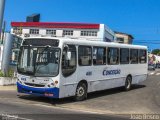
pixel 39 61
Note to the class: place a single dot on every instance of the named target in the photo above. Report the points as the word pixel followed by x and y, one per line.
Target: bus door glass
pixel 69 65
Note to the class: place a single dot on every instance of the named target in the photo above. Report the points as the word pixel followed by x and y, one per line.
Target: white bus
pixel 63 67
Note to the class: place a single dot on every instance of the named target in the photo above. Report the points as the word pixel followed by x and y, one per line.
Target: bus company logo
pixel 111 72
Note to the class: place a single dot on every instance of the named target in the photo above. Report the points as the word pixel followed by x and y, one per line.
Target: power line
pixel 148 39
pixel 149 42
pixel 156 41
pixel 146 42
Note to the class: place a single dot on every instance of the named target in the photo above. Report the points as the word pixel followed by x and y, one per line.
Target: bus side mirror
pixel 68 55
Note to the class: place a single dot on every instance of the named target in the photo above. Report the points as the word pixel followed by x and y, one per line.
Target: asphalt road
pixel 24 111
pixel 109 104
pixel 36 112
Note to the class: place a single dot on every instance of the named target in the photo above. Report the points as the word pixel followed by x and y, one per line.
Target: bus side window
pixel 142 56
pixel 84 55
pixel 133 56
pixel 69 63
pixel 99 56
pixel 124 56
pixel 113 56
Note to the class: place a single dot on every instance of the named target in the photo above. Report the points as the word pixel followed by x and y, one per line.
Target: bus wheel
pixel 128 83
pixel 81 92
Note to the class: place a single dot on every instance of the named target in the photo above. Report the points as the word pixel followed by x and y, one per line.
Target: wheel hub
pixel 80 91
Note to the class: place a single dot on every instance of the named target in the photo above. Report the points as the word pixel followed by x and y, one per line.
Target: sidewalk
pixel 12 87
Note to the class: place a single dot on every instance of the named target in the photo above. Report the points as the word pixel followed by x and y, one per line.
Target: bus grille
pixel 34 85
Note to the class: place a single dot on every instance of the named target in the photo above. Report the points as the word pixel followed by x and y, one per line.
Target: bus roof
pixel 87 42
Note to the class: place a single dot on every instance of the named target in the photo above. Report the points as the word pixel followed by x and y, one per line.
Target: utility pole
pixel 2 4
pixel 3 31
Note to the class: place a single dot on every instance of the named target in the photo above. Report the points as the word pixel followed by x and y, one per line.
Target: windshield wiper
pixel 30 72
pixel 40 54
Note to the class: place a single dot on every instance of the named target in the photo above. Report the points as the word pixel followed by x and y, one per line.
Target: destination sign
pixel 41 42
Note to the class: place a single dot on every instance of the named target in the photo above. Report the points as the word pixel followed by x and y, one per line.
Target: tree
pixel 156 51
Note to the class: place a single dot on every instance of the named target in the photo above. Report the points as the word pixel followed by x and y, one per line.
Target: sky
pixel 140 18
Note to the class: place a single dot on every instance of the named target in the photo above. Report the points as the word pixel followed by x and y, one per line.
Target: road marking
pixel 24 118
pixel 152 73
pixel 85 111
pixel 157 73
pixel 73 109
pixel 13 117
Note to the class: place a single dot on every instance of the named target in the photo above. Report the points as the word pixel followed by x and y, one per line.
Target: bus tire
pixel 128 83
pixel 81 92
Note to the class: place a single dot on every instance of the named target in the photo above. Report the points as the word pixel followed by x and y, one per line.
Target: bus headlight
pixel 52 84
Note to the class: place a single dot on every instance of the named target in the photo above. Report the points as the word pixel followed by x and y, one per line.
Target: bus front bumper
pixel 46 92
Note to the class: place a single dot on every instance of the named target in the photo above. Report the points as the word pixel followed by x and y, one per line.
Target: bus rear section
pixel 103 66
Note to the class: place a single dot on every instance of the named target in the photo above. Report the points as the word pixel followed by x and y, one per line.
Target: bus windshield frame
pixel 39 61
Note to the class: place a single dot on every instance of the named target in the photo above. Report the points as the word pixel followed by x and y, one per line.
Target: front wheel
pixel 128 83
pixel 81 92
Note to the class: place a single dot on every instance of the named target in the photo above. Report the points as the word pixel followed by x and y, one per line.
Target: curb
pixel 5 88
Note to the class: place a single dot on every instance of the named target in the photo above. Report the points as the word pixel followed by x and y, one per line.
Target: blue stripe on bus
pixel 46 92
